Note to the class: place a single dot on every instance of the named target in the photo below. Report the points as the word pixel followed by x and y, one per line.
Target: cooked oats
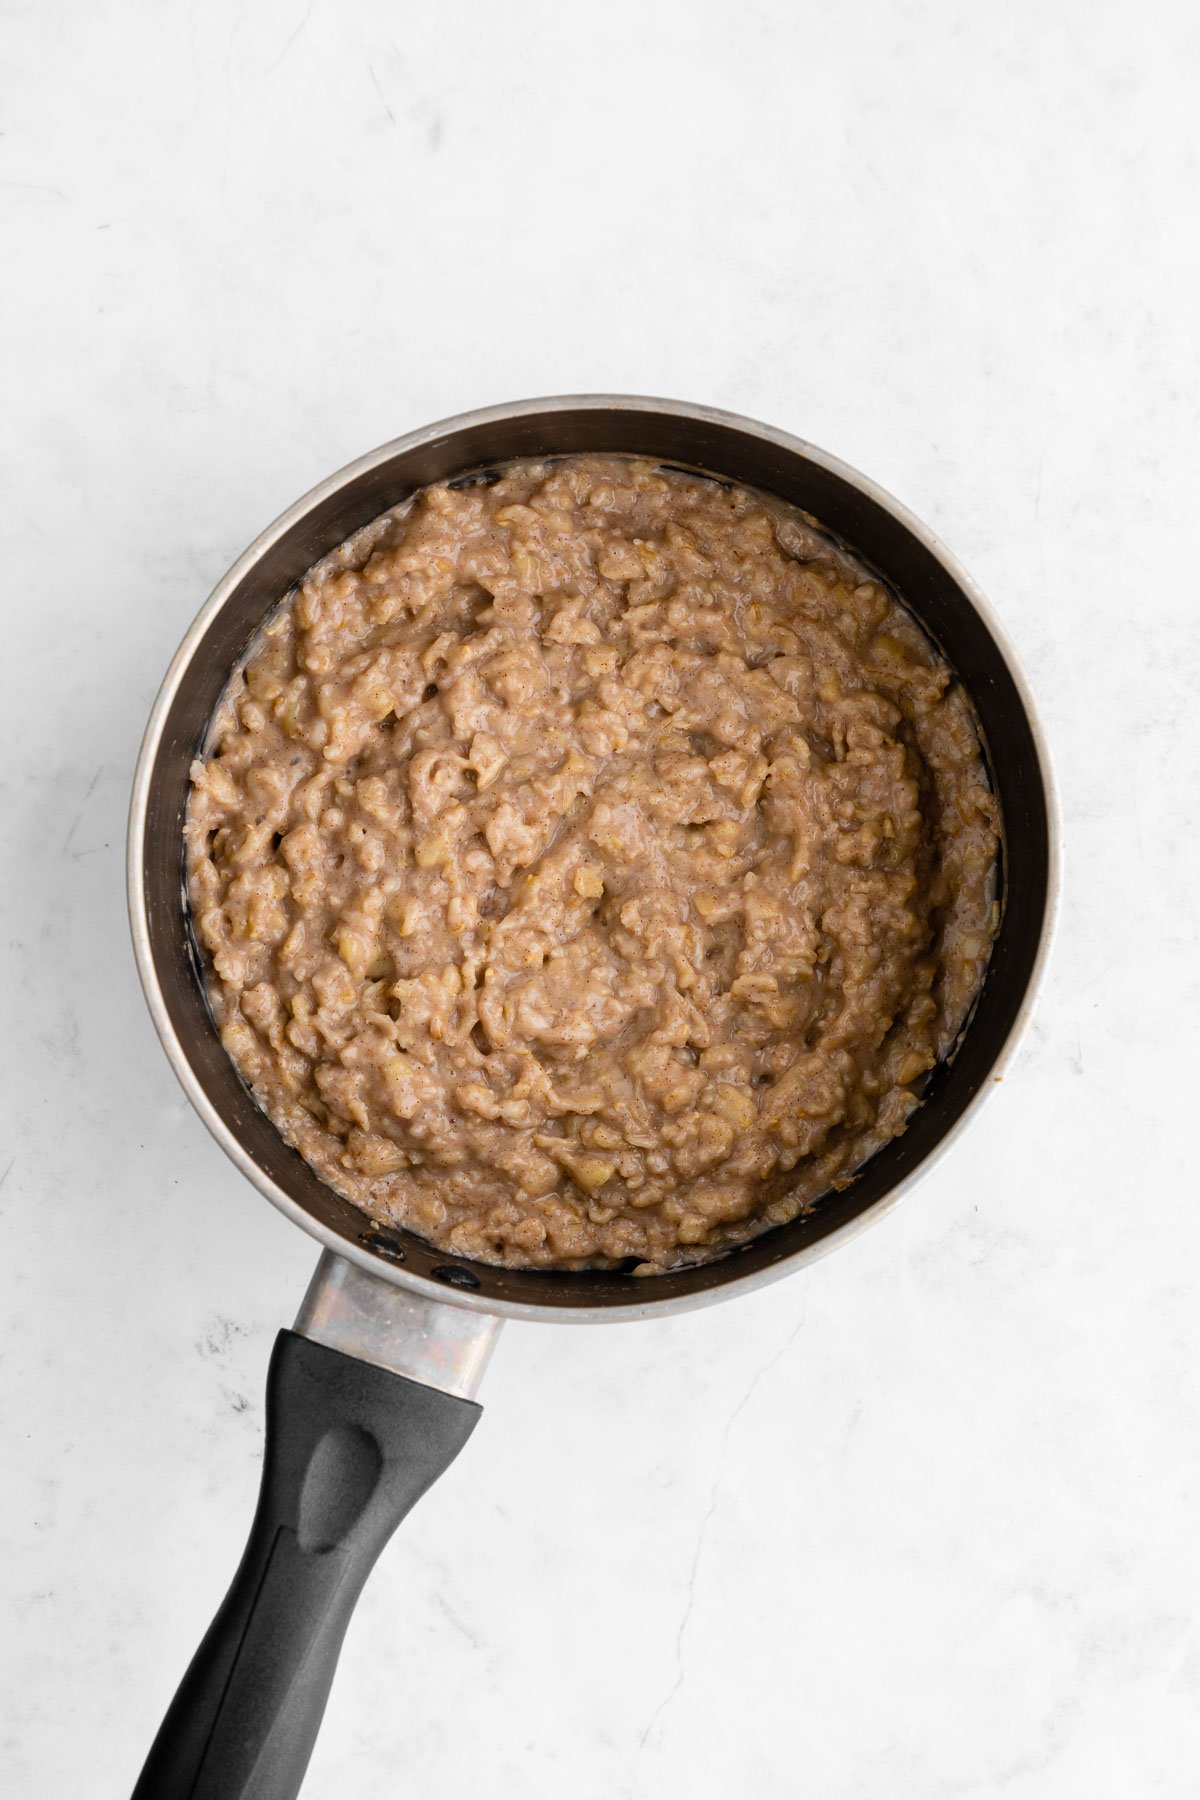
pixel 592 860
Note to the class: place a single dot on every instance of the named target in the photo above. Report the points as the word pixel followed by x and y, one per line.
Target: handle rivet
pixel 384 1246
pixel 454 1277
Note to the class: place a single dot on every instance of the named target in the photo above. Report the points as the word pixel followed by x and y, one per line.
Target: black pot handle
pixel 350 1448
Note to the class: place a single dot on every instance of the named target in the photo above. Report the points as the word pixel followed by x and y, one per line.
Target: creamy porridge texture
pixel 592 861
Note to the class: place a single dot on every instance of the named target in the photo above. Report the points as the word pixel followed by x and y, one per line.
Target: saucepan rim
pixel 177 675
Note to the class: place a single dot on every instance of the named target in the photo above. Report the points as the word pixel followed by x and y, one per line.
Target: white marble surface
pixel 921 1522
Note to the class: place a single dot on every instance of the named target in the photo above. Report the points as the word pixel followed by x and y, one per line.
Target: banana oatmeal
pixel 591 862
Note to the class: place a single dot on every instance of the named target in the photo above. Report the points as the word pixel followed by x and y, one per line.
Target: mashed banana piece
pixel 592 861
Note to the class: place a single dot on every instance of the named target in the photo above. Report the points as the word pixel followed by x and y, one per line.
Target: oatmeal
pixel 592 861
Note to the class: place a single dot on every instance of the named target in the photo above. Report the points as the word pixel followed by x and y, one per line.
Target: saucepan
pixel 371 1395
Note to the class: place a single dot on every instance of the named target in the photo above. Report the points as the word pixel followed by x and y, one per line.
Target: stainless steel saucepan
pixel 371 1396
